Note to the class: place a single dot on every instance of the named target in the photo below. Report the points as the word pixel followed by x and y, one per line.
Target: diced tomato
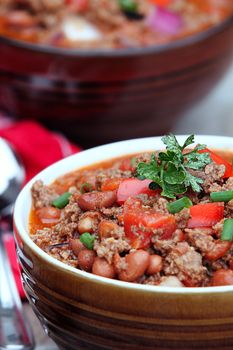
pixel 162 3
pixel 139 223
pixel 132 187
pixel 126 164
pixel 111 184
pixel 78 5
pixel 219 160
pixel 205 215
pixel 205 6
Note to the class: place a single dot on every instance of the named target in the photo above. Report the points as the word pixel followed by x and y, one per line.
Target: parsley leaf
pixel 149 170
pixel 196 161
pixel 170 171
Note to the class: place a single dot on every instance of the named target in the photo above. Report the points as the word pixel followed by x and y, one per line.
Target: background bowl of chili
pixel 82 310
pixel 98 96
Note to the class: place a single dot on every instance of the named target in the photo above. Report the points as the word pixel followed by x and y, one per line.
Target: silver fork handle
pixel 15 332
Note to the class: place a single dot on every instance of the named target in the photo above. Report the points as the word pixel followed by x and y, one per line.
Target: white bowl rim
pixel 211 141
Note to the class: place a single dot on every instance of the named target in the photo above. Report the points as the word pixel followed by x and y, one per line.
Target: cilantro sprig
pixel 170 171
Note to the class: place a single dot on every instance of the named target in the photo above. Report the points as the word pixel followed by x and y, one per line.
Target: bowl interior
pixel 95 155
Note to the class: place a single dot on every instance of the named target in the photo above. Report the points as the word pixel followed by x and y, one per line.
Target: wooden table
pixel 214 116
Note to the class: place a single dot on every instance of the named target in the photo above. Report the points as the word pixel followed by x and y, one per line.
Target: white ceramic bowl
pixel 85 311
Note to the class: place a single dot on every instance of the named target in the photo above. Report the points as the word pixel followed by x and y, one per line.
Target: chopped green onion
pixel 154 186
pixel 224 196
pixel 128 6
pixel 177 206
pixel 227 233
pixel 62 201
pixel 86 187
pixel 88 240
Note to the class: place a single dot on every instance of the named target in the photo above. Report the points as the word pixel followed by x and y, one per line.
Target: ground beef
pixel 160 206
pixel 112 213
pixel 69 223
pixel 182 218
pixel 45 5
pixel 149 201
pixel 151 280
pixel 185 263
pixel 228 185
pixel 108 247
pixel 163 246
pixel 143 158
pixel 228 211
pixel 44 238
pixel 71 213
pixel 218 228
pixel 113 173
pixel 42 196
pixel 200 239
pixel 213 179
pixel 65 255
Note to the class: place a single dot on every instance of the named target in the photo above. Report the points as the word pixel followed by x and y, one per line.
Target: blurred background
pixel 214 114
pixel 92 99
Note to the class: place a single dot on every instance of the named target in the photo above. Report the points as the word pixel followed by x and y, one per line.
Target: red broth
pixel 114 226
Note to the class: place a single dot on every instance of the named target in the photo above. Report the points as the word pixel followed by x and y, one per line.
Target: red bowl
pixel 101 96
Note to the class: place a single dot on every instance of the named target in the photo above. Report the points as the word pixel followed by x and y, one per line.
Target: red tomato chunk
pixel 205 215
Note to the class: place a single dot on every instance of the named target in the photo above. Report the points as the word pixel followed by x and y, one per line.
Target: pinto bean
pixel 137 264
pixel 88 222
pixel 76 245
pixel 86 259
pixel 48 215
pixel 222 278
pixel 20 19
pixel 96 200
pixel 107 228
pixel 155 264
pixel 102 268
pixel 171 281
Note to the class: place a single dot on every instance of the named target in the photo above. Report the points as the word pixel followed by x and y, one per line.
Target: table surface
pixel 214 115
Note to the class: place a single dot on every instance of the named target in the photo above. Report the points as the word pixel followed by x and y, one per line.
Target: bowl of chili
pixel 179 295
pixel 133 80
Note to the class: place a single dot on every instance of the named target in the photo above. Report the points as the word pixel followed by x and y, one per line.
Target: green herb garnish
pixel 88 240
pixel 128 6
pixel 86 187
pixel 171 170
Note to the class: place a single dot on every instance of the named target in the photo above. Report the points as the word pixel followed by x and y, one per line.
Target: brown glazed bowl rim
pixel 85 158
pixel 152 49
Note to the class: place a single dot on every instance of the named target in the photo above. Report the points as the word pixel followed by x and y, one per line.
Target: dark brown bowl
pixel 102 96
pixel 83 311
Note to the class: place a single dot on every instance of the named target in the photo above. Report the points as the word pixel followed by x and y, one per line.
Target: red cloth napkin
pixel 38 148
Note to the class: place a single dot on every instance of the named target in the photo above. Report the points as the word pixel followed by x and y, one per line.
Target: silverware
pixel 15 332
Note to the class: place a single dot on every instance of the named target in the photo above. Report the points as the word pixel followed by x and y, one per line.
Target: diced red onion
pixel 165 21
